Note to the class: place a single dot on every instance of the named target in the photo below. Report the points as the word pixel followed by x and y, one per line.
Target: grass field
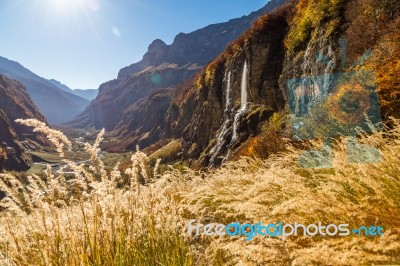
pixel 95 219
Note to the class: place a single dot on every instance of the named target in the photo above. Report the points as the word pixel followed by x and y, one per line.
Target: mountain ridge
pixel 88 94
pixel 198 56
pixel 56 104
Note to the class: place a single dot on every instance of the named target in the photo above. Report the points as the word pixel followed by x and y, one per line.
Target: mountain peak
pixel 157 44
pixel 198 47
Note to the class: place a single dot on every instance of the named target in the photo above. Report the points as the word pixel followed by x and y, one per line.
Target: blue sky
pixel 84 43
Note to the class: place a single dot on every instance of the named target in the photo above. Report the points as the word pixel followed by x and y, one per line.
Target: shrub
pixel 269 141
pixel 309 18
pixel 3 158
pixel 374 25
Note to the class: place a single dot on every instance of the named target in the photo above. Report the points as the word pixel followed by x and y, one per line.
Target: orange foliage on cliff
pixel 375 24
pixel 389 87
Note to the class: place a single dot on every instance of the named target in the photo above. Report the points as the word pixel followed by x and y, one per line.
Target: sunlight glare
pixel 69 5
pixel 64 4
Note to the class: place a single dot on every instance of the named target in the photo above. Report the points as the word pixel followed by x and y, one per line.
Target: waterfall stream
pixel 221 138
pixel 243 101
pixel 224 138
pixel 228 91
pixel 243 88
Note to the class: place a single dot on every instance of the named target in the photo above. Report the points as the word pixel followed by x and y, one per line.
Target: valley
pixel 288 115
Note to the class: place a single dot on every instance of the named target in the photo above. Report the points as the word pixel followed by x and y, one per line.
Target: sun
pixel 71 5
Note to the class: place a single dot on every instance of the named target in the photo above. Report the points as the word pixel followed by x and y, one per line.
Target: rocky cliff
pixel 309 60
pixel 15 103
pixel 237 92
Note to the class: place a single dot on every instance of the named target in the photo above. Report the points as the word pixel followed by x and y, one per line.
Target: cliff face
pixel 15 103
pixel 115 98
pixel 332 77
pixel 239 94
pixel 161 67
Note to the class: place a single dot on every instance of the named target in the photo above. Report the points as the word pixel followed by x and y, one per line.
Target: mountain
pixel 56 104
pixel 239 104
pixel 88 94
pixel 203 110
pixel 60 85
pixel 244 101
pixel 15 103
pixel 162 66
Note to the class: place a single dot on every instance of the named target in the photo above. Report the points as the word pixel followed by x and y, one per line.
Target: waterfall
pixel 243 101
pixel 226 135
pixel 224 130
pixel 243 89
pixel 228 91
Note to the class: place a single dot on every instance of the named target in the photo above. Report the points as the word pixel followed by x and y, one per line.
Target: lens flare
pixel 116 31
pixel 94 5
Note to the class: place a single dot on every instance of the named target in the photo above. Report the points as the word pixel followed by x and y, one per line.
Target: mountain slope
pixel 161 67
pixel 89 94
pixel 15 103
pixel 57 105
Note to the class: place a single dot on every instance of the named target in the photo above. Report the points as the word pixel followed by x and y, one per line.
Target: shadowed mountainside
pixel 15 103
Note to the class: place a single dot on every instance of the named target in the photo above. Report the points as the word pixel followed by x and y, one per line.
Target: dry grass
pixel 85 220
pixel 277 190
pixel 168 153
